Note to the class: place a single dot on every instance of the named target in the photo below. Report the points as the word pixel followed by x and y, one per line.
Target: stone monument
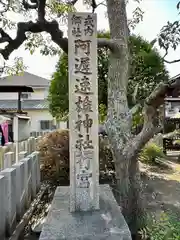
pixel 83 112
pixel 85 210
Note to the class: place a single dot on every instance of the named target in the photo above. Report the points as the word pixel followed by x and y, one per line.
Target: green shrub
pixel 165 227
pixel 150 153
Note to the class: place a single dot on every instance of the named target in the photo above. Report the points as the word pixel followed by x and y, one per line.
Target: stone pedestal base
pixel 107 223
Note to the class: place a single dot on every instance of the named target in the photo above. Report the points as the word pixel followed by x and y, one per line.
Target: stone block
pixel 10 146
pixel 26 146
pixel 29 145
pixel 107 223
pixel 27 180
pixel 21 147
pixel 38 176
pixel 34 174
pixel 2 207
pixel 22 155
pixel 8 159
pixel 3 150
pixel 10 203
pixel 33 143
pixel 20 192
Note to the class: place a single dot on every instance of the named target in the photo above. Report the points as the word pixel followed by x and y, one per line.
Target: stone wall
pixel 19 184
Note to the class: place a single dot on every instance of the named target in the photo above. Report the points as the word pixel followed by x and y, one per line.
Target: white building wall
pixel 8 96
pixel 37 116
pixel 36 95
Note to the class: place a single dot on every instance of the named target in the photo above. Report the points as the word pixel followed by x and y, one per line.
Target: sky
pixel 157 13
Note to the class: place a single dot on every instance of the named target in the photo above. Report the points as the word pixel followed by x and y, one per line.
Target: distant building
pixel 172 101
pixel 35 104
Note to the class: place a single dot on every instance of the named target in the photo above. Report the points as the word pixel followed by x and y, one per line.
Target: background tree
pixel 58 91
pixel 125 147
pixel 146 71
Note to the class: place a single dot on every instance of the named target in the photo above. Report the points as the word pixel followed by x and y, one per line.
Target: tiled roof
pixel 26 104
pixel 25 79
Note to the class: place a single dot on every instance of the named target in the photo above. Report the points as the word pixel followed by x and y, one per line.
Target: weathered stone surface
pixel 20 195
pixel 34 176
pixel 38 176
pixel 8 159
pixel 22 155
pixel 2 207
pixel 10 201
pixel 83 109
pixel 106 223
pixel 27 179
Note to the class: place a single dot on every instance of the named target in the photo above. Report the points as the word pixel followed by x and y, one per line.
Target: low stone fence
pixel 8 152
pixel 19 184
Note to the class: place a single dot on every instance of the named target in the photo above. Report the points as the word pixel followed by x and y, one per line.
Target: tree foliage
pixel 146 71
pixel 169 37
pixel 58 91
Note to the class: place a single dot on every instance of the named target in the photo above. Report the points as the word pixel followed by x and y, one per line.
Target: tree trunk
pixel 118 124
pixel 129 192
pixel 136 219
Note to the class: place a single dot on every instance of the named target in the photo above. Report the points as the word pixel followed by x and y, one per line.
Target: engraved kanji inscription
pixel 78 124
pixel 79 142
pixel 83 159
pixel 76 31
pixel 88 122
pixel 79 158
pixel 84 45
pixel 88 143
pixel 84 179
pixel 84 86
pixel 88 154
pixel 84 104
pixel 76 22
pixel 88 26
pixel 82 65
pixel 83 143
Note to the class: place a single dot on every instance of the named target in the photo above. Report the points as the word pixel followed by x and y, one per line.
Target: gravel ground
pixel 39 214
pixel 162 187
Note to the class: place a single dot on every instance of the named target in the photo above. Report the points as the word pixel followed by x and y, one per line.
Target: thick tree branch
pixel 173 61
pixel 4 37
pixel 93 5
pixel 150 127
pixel 166 53
pixel 41 10
pixel 27 5
pixel 5 6
pixel 51 27
pixel 41 26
